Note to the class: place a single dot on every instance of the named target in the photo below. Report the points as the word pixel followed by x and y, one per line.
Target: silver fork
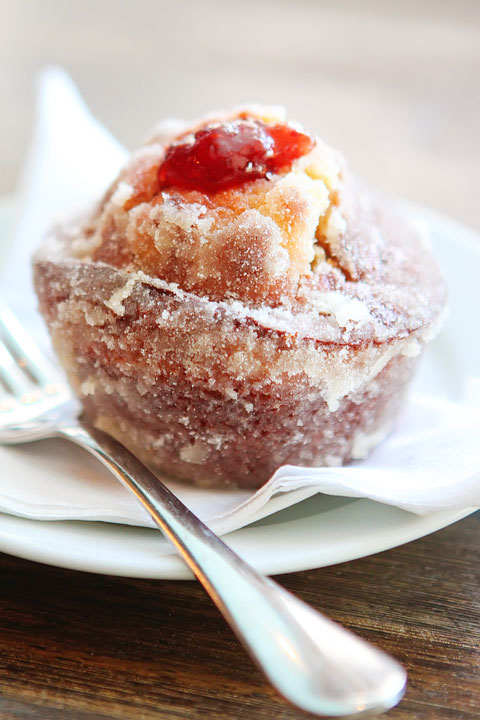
pixel 313 662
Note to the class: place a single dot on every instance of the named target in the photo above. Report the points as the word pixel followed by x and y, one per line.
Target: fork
pixel 314 663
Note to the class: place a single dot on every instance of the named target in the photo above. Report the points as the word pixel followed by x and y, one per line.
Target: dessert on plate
pixel 238 301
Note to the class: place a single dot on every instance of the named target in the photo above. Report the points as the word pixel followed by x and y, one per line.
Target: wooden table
pixel 395 86
pixel 81 646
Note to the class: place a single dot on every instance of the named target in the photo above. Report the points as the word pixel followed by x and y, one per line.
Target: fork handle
pixel 313 662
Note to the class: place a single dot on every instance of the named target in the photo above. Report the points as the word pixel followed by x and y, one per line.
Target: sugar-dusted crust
pixel 220 336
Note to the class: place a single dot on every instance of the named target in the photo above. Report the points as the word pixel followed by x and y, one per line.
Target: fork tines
pixel 24 370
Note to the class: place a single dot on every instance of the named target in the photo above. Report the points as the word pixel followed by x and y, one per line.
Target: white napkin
pixel 431 462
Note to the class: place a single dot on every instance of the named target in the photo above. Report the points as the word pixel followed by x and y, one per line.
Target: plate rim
pixel 242 541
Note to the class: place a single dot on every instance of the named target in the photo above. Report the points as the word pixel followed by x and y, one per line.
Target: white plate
pixel 316 532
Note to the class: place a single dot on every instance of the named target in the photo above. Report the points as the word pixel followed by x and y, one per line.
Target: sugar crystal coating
pixel 223 331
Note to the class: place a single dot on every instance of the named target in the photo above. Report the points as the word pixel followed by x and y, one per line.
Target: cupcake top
pixel 248 209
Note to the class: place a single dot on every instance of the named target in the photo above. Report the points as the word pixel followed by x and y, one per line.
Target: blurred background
pixel 394 85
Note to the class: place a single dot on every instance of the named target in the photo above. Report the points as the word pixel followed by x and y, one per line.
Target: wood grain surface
pixel 395 86
pixel 81 646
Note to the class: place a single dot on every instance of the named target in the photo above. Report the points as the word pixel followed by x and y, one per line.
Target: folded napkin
pixel 431 461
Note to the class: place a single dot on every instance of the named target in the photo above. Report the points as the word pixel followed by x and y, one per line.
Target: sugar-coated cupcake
pixel 238 301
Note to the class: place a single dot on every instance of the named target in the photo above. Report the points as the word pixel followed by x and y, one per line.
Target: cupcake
pixel 238 301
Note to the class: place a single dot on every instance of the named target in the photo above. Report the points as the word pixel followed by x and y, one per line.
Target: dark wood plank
pixel 81 646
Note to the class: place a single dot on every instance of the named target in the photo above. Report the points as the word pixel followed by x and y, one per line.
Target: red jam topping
pixel 226 155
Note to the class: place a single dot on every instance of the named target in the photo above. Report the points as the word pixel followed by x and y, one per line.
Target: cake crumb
pixel 115 302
